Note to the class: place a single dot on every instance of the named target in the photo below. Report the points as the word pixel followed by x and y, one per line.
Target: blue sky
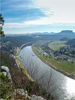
pixel 30 16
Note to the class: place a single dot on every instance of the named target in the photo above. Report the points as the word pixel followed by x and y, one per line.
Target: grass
pixel 20 65
pixel 18 51
pixel 65 66
pixel 56 45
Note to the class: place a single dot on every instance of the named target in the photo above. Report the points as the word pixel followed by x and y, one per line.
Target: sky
pixel 30 16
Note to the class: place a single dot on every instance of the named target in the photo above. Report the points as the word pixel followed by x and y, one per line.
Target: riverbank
pixel 31 86
pixel 54 64
pixel 21 66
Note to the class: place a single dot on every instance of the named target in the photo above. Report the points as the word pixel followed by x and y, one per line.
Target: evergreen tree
pixel 1 25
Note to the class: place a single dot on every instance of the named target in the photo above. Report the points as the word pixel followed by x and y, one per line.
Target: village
pixel 63 54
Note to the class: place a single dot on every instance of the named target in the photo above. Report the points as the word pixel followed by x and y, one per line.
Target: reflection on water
pixel 56 83
pixel 70 87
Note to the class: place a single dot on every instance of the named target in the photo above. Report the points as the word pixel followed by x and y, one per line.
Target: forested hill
pixel 17 41
pixel 67 33
pixel 8 43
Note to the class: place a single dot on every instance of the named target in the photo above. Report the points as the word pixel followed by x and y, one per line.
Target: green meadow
pixel 56 45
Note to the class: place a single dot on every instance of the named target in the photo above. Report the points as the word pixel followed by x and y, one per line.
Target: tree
pixel 1 26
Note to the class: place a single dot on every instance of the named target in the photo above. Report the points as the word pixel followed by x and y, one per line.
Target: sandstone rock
pixel 22 92
pixel 34 97
pixel 25 93
pixel 4 68
pixel 5 71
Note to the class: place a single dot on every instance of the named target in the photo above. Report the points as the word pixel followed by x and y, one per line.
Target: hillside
pixel 20 79
pixel 58 54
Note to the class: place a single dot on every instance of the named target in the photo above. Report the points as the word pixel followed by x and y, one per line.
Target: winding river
pixel 59 85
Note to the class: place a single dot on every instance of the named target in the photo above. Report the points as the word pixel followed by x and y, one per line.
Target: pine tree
pixel 1 25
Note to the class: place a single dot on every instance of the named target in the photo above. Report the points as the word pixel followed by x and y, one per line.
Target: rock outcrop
pixel 5 71
pixel 34 97
pixel 24 93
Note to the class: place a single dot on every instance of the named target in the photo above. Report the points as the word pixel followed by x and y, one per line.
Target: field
pixel 56 45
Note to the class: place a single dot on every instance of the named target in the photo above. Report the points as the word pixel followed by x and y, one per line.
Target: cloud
pixel 64 10
pixel 21 28
pixel 38 15
pixel 14 25
pixel 41 21
pixel 20 9
pixel 50 20
pixel 43 24
pixel 27 14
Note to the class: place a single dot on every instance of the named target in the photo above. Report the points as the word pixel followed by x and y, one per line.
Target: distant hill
pixel 18 40
pixel 67 33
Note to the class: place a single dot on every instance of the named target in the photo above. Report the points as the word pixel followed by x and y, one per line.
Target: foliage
pixel 3 77
pixel 2 23
pixel 5 87
pixel 6 60
pixel 1 19
pixel 2 33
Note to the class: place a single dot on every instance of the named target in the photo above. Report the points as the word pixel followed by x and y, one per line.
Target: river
pixel 59 85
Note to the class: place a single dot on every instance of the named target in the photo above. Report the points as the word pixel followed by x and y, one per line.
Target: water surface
pixel 61 86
